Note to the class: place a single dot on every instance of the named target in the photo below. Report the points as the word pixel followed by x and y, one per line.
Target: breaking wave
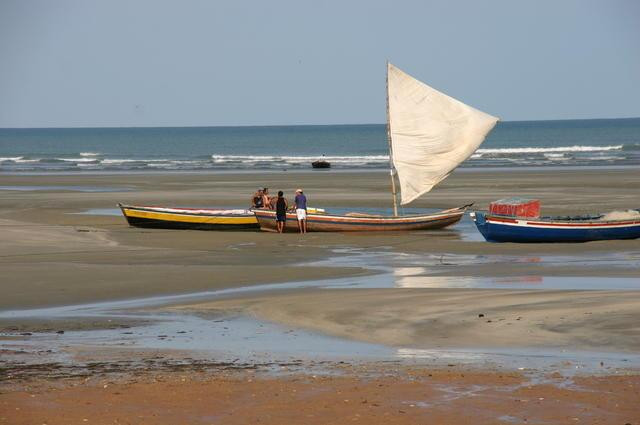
pixel 626 154
pixel 294 160
pixel 547 150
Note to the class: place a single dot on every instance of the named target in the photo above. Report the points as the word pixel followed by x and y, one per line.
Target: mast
pixel 391 167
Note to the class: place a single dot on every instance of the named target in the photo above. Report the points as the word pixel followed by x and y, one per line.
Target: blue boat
pixel 502 228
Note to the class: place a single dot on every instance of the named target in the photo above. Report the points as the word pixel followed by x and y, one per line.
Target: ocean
pixel 598 142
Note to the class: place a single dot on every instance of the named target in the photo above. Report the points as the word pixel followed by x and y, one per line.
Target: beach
pixel 64 244
pixel 45 236
pixel 142 282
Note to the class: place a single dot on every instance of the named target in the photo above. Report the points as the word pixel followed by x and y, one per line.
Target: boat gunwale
pixel 551 222
pixel 197 212
pixel 346 219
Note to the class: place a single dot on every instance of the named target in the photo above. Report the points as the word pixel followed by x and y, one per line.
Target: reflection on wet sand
pixel 404 277
pixel 250 334
pixel 417 277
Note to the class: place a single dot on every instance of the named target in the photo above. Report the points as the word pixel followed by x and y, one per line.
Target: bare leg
pixel 304 226
pixel 300 226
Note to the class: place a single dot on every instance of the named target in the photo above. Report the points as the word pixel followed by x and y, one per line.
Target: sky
pixel 88 63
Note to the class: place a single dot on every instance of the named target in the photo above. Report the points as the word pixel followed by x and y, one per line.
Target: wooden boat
pixel 189 218
pixel 501 228
pixel 320 164
pixel 429 135
pixel 355 222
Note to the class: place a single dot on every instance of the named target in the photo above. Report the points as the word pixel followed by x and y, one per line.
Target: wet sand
pixel 450 318
pixel 51 256
pixel 394 396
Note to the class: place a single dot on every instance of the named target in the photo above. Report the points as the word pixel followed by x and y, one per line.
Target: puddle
pixel 403 270
pixel 388 258
pixel 408 275
pixel 253 340
pixel 109 308
pixel 27 188
pixel 248 340
pixel 532 361
pixel 236 338
pixel 519 282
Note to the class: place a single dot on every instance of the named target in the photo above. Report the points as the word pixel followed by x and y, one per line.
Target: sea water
pixel 525 143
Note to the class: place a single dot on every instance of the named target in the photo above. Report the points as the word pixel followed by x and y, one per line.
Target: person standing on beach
pixel 301 210
pixel 281 211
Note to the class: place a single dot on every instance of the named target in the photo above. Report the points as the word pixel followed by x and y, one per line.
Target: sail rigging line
pixel 391 167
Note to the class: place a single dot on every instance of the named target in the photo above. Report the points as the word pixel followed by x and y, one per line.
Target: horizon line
pixel 285 125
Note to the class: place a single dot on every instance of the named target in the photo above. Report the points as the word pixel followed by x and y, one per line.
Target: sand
pixel 455 318
pixel 454 396
pixel 51 256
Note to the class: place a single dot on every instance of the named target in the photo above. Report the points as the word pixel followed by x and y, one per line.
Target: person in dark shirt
pixel 257 200
pixel 301 210
pixel 281 211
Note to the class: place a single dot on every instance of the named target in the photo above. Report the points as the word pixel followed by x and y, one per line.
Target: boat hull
pixel 343 223
pixel 527 230
pixel 320 164
pixel 187 218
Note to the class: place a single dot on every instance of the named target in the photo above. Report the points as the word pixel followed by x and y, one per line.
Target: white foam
pixel 76 159
pixel 125 161
pixel 602 158
pixel 360 159
pixel 89 154
pixel 10 158
pixel 576 148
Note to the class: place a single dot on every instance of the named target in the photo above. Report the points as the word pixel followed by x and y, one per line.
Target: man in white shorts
pixel 301 210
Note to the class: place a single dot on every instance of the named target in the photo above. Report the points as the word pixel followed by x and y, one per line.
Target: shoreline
pixel 462 169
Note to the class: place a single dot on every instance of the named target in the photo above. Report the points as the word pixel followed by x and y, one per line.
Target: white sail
pixel 431 133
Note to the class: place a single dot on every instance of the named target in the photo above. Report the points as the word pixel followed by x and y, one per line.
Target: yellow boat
pixel 189 218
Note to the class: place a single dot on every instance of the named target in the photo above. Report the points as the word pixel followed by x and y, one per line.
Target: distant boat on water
pixel 429 135
pixel 321 163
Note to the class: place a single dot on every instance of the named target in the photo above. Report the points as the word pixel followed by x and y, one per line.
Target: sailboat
pixel 429 135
